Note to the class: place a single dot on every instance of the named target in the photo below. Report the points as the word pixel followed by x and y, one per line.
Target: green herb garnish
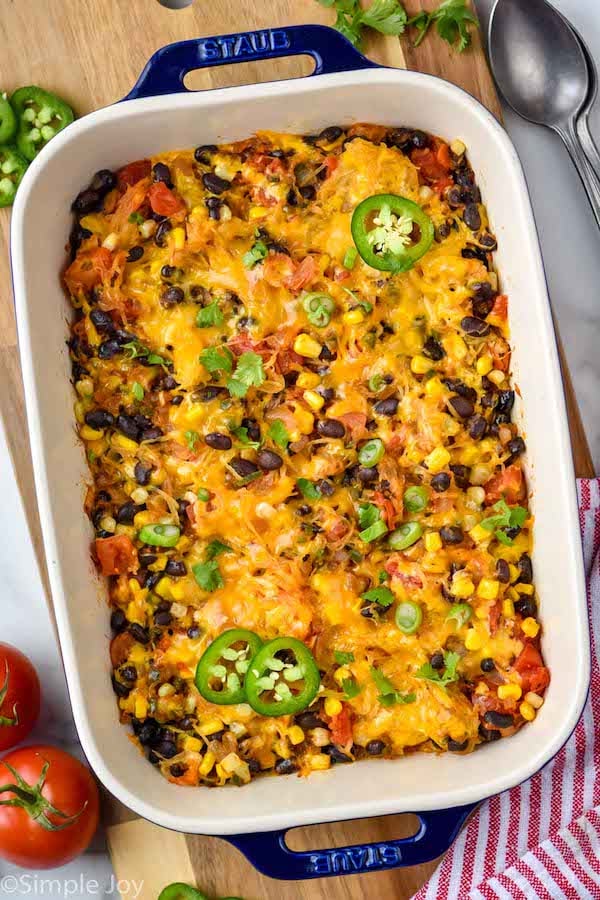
pixel 439 676
pixel 388 695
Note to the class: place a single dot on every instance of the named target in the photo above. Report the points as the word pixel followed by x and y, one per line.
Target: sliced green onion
pixel 371 453
pixel 377 530
pixel 159 535
pixel 203 495
pixel 350 258
pixel 459 613
pixel 319 309
pixel 375 383
pixel 416 498
pixel 409 616
pixel 405 536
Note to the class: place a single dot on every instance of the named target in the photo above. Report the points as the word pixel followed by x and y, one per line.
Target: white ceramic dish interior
pixel 41 222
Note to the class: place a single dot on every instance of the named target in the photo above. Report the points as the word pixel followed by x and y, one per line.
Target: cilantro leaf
pixel 351 688
pixel 192 438
pixel 215 548
pixel 209 315
pixel 241 433
pixel 449 674
pixel 249 372
pixel 388 695
pixel 208 575
pixel 279 434
pixel 383 576
pixel 342 658
pixel 308 489
pixel 135 218
pixel 452 20
pixel 421 22
pixel 217 359
pixel 381 595
pixel 255 255
pixel 137 390
pixel 385 16
pixel 137 350
pixel 505 517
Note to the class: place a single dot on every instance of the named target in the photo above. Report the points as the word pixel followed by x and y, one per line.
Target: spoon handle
pixel 585 170
pixel 588 142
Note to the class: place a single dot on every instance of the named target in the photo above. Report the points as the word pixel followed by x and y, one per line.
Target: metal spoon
pixel 541 69
pixel 583 122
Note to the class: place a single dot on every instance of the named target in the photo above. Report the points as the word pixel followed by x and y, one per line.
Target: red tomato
pixel 534 674
pixel 508 484
pixel 134 172
pixel 116 554
pixel 304 274
pixel 163 201
pixel 500 307
pixel 64 797
pixel 19 696
pixel 88 269
pixel 434 165
pixel 341 727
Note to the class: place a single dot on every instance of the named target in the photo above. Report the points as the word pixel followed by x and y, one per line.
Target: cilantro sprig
pixel 241 433
pixel 209 315
pixel 279 434
pixel 381 595
pixel 388 694
pixel 452 19
pixel 444 676
pixel 505 517
pixel 249 372
pixel 207 574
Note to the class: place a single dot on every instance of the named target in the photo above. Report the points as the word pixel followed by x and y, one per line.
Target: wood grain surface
pixel 90 52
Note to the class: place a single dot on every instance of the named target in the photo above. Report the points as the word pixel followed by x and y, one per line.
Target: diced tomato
pixel 500 307
pixel 120 647
pixel 116 554
pixel 276 269
pixel 387 509
pixel 393 566
pixel 303 274
pixel 354 422
pixel 338 530
pixel 534 674
pixel 508 484
pixel 341 727
pixel 500 350
pixel 134 172
pixel 494 616
pixel 331 163
pixel 88 269
pixel 163 201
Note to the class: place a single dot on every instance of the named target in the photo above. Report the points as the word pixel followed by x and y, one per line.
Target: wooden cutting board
pixel 91 52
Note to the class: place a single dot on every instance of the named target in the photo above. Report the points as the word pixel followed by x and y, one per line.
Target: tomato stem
pixel 5 720
pixel 30 798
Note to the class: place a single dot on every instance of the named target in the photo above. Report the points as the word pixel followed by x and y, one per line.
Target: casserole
pixel 114 135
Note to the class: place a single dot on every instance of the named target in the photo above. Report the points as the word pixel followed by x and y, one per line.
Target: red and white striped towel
pixel 541 839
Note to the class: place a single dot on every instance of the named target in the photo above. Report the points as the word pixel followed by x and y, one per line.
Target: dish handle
pixel 269 853
pixel 165 70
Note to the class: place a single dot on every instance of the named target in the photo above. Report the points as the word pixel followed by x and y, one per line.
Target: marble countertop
pixel 567 233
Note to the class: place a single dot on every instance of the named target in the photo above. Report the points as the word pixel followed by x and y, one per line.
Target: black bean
pixel 214 184
pixel 335 754
pixel 182 506
pixel 86 202
pixel 387 407
pixel 163 618
pixel 308 720
pixel 452 534
pixel 497 719
pixel 375 748
pixel 471 217
pixel 327 355
pixel 268 460
pixel 142 473
pixel 177 400
pixel 526 607
pixel 252 427
pixel 172 296
pixel 326 393
pixel 127 512
pixel 285 766
pixel 482 307
pixel 331 134
pixel 161 172
pixel 461 406
pixel 442 231
pixel 464 176
pixel 120 689
pixel 308 192
pixel 194 632
pixel 475 253
pixel 103 181
pixel 489 735
pixel 454 197
pixel 474 327
pixel 77 236
pixel 420 140
pixel 186 724
pixel 102 321
pixel 432 349
pixel 525 569
pixel 166 749
pixel 304 509
pixel 461 475
pixel 367 474
pixel 147 731
pixel 99 418
pixel 487 664
pixel 502 571
pixel 488 241
pixel 168 271
pixel 208 393
pixel 516 446
pixel 177 770
pixel 440 482
pixel 459 387
pixel 326 488
pixel 161 232
pixel 331 428
pixel 244 467
pixel 401 138
pixel 108 349
pixel 202 154
pixel 128 673
pixel 175 568
pixel 165 382
pixel 118 620
pixel 138 632
pixel 502 411
pixel 437 660
pixel 218 441
pixel 477 427
pixel 135 253
pixel 128 426
pixel 457 746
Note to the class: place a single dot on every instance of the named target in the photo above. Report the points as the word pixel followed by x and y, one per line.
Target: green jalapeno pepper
pixel 277 687
pixel 12 169
pixel 159 535
pixel 391 232
pixel 8 120
pixel 222 668
pixel 180 891
pixel 40 116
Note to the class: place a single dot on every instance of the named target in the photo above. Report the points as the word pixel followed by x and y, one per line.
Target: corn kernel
pixel 90 434
pixel 508 608
pixel 488 588
pixel 509 692
pixel 484 364
pixel 258 212
pixel 534 699
pixel 111 241
pixel 314 400
pixel 157 477
pixel 435 562
pixel 178 591
pixel 437 460
pixel 433 541
pixel 178 238
pixel 457 147
pixel 527 589
pixel 455 347
pixel 320 761
pixel 333 707
pixel 527 711
pixel 496 376
pixel 482 612
pixel 296 735
pixel 207 763
pixel 530 627
pixel 85 387
pixel 107 523
pixel 308 380
pixel 305 345
pixel 341 674
pixel 221 773
pixel 141 707
pixel 420 365
pixel 480 534
pixel 514 572
pixel 462 586
pixel 482 688
pixel 193 744
pixel 163 588
pixel 124 443
pixel 304 420
pixel 353 317
pixel 434 388
pixel 209 726
pixel 166 690
pixel 514 595
pixel 473 640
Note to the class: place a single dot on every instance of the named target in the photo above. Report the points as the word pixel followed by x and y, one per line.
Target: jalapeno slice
pixel 222 668
pixel 40 116
pixel 391 232
pixel 276 686
pixel 180 891
pixel 159 535
pixel 12 169
pixel 8 120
